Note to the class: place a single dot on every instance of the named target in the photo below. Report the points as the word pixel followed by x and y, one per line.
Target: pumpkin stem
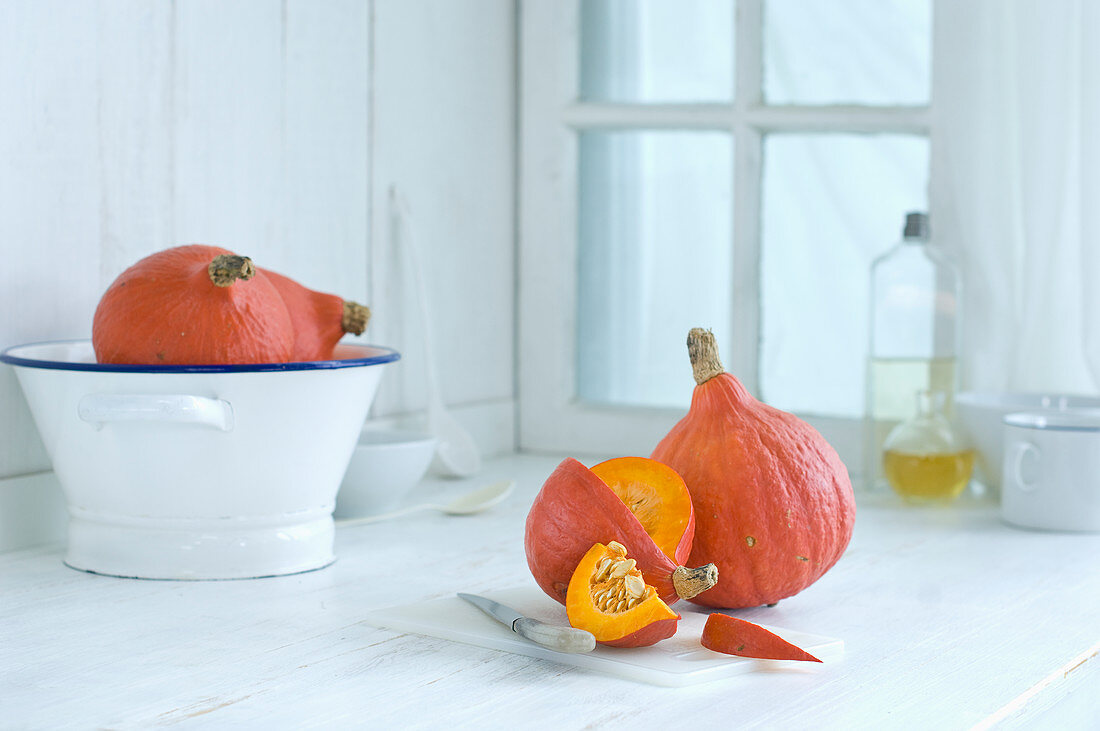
pixel 355 318
pixel 228 268
pixel 703 351
pixel 692 582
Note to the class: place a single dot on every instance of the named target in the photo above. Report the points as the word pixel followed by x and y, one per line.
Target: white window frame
pixel 551 418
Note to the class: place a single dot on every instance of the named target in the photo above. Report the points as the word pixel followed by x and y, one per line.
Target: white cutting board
pixel 678 661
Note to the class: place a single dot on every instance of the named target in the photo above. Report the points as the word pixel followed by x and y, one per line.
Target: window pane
pixel 657 50
pixel 831 203
pixel 847 51
pixel 654 260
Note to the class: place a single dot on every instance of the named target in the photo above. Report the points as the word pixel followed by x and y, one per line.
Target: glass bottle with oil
pixel 914 313
pixel 924 459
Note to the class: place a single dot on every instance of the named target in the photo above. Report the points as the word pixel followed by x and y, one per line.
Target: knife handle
pixel 561 639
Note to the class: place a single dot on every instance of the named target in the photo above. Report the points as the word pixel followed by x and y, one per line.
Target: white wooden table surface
pixel 950 619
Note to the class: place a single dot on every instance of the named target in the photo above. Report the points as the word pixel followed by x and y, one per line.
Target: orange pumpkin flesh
pixel 192 305
pixel 608 597
pixel 773 502
pixel 658 498
pixel 575 509
pixel 319 319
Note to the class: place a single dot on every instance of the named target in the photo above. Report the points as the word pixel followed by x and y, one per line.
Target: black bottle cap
pixel 916 225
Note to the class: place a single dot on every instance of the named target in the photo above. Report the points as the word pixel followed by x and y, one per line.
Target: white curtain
pixel 1018 121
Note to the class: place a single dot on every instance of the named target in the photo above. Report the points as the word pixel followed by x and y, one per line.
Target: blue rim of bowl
pixel 381 355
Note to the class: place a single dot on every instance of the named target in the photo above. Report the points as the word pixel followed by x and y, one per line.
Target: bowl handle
pixel 100 408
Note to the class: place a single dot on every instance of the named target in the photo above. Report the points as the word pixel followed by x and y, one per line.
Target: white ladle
pixel 472 502
pixel 456 452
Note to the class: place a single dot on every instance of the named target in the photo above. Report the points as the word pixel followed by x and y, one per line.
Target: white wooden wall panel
pixel 134 122
pixel 50 197
pixel 228 145
pixel 325 146
pixel 272 127
pixel 271 136
pixel 444 133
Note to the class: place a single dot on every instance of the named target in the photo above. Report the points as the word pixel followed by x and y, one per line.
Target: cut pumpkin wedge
pixel 609 598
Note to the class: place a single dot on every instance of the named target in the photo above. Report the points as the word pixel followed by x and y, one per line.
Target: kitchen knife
pixel 561 639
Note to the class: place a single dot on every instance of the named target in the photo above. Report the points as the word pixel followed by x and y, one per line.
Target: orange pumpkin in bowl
pixel 205 305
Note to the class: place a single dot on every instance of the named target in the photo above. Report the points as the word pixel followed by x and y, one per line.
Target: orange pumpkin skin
pixel 644 624
pixel 167 310
pixel 319 319
pixel 647 635
pixel 773 502
pixel 576 509
pixel 734 636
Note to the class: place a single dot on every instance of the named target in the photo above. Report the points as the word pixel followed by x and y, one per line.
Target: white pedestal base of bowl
pixel 229 548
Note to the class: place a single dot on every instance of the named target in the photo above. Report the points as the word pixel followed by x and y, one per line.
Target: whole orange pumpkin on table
pixel 774 507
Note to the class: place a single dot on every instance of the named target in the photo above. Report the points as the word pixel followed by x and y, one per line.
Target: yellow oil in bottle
pixel 931 477
pixel 891 385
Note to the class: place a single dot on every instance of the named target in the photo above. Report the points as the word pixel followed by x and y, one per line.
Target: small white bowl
pixel 981 416
pixel 385 466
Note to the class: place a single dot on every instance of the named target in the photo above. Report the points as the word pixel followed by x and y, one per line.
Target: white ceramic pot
pixel 198 472
pixel 981 416
pixel 1052 471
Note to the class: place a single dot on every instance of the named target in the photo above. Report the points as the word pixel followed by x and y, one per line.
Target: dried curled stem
pixel 692 582
pixel 703 351
pixel 228 268
pixel 356 317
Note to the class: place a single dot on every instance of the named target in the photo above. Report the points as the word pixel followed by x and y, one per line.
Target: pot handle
pixel 1021 450
pixel 99 408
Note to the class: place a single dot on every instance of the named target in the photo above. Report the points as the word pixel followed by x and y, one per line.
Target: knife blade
pixel 554 637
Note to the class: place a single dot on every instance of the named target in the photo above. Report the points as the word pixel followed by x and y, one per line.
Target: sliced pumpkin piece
pixel 608 597
pixel 576 509
pixel 733 636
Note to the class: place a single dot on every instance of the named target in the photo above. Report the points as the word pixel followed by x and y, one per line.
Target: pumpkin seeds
pixel 617 584
pixel 603 568
pixel 622 568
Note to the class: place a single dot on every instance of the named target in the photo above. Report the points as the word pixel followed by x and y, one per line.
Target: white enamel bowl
pixel 981 416
pixel 198 472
